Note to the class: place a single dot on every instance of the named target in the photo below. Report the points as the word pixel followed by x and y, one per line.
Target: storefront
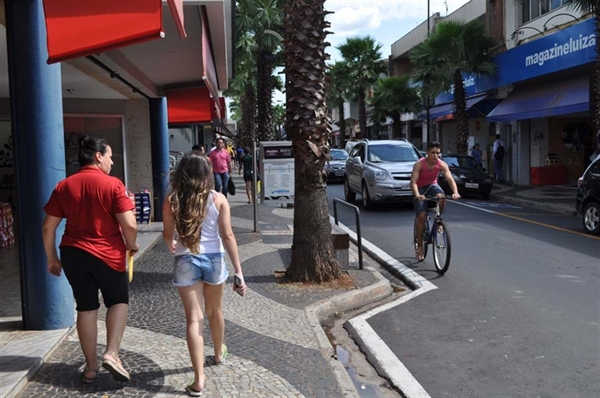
pixel 111 80
pixel 546 112
pixel 542 107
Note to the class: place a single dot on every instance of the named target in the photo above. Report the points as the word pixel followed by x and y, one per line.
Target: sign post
pixel 276 172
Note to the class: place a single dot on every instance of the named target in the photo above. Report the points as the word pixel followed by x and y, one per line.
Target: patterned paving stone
pixel 273 351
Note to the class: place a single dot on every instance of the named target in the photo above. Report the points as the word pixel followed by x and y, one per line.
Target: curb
pixel 321 310
pixel 27 374
pixel 557 208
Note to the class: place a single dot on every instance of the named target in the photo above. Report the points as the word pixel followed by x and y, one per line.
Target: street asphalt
pixel 516 314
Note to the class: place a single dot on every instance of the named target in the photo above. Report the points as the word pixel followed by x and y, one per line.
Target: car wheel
pixel 591 218
pixel 366 199
pixel 348 194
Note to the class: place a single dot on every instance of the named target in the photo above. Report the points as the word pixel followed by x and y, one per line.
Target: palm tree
pixel 393 96
pixel 313 258
pixel 339 86
pixel 267 18
pixel 363 58
pixel 243 88
pixel 454 50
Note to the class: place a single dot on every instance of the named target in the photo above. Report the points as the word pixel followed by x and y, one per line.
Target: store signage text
pixel 561 50
pixel 565 49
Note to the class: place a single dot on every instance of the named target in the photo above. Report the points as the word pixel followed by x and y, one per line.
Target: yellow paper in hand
pixel 130 266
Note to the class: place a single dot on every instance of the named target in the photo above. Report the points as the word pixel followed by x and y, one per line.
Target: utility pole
pixel 427 98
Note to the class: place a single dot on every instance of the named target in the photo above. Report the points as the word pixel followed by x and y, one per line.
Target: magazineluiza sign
pixel 565 49
pixel 561 50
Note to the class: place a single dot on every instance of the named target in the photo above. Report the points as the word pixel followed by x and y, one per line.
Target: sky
pixel 384 20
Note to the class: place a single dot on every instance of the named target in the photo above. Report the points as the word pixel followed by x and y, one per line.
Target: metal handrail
pixel 358 234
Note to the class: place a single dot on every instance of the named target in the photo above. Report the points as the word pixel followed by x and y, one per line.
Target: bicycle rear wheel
pixel 415 242
pixel 441 247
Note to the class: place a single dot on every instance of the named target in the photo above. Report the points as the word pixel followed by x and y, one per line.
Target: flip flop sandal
pixel 112 363
pixel 223 355
pixel 89 380
pixel 192 392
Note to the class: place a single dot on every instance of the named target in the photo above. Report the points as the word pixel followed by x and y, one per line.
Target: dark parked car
pixel 336 166
pixel 469 176
pixel 587 201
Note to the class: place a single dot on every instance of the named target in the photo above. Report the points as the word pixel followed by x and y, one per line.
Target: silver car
pixel 380 171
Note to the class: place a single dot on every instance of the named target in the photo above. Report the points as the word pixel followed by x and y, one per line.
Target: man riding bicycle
pixel 423 182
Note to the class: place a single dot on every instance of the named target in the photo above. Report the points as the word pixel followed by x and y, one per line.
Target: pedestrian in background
pixel 199 148
pixel 201 218
pixel 100 228
pixel 477 155
pixel 246 163
pixel 221 163
pixel 498 152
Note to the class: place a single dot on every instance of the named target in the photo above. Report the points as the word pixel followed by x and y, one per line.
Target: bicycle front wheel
pixel 441 247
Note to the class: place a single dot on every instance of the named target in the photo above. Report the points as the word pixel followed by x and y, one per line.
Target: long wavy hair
pixel 191 183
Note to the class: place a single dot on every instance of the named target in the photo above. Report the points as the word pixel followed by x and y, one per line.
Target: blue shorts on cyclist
pixel 427 190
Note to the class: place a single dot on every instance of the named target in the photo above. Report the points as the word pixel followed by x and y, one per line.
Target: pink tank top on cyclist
pixel 426 176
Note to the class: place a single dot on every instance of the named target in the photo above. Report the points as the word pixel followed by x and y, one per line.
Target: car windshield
pixel 464 162
pixel 392 153
pixel 337 154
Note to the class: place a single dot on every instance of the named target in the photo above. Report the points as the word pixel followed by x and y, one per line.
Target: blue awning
pixel 446 110
pixel 550 100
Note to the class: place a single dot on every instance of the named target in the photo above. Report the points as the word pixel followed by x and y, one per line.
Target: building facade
pixel 124 71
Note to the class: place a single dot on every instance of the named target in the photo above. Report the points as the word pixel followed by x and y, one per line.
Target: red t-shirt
pixel 89 201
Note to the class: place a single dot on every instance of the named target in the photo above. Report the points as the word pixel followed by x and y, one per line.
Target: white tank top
pixel 210 238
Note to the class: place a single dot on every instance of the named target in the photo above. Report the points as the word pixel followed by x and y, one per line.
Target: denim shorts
pixel 427 190
pixel 191 268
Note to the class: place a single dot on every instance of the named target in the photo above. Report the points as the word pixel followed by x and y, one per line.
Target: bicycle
pixel 438 236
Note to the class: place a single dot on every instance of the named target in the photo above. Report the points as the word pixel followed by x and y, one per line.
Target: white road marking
pixel 386 360
pixel 474 207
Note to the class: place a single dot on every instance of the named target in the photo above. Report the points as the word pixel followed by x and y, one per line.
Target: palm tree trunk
pixel 307 124
pixel 362 116
pixel 460 115
pixel 342 122
pixel 248 105
pixel 396 125
pixel 264 91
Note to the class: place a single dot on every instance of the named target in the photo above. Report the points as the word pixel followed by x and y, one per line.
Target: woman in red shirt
pixel 100 228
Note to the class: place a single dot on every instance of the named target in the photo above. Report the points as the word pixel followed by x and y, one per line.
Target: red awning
pixel 77 28
pixel 189 106
pixel 176 7
pixel 213 109
pixel 209 74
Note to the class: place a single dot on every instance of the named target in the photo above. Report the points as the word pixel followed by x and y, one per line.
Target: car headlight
pixel 456 178
pixel 381 175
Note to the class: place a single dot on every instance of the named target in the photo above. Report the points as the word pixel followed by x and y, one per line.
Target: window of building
pixel 535 8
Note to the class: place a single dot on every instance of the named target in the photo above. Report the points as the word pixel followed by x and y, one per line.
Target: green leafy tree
pixel 393 96
pixel 278 121
pixel 313 258
pixel 454 49
pixel 363 58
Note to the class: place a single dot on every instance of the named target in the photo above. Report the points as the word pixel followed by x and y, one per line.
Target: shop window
pixel 535 8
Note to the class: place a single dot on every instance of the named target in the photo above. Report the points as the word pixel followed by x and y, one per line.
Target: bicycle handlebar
pixel 437 198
